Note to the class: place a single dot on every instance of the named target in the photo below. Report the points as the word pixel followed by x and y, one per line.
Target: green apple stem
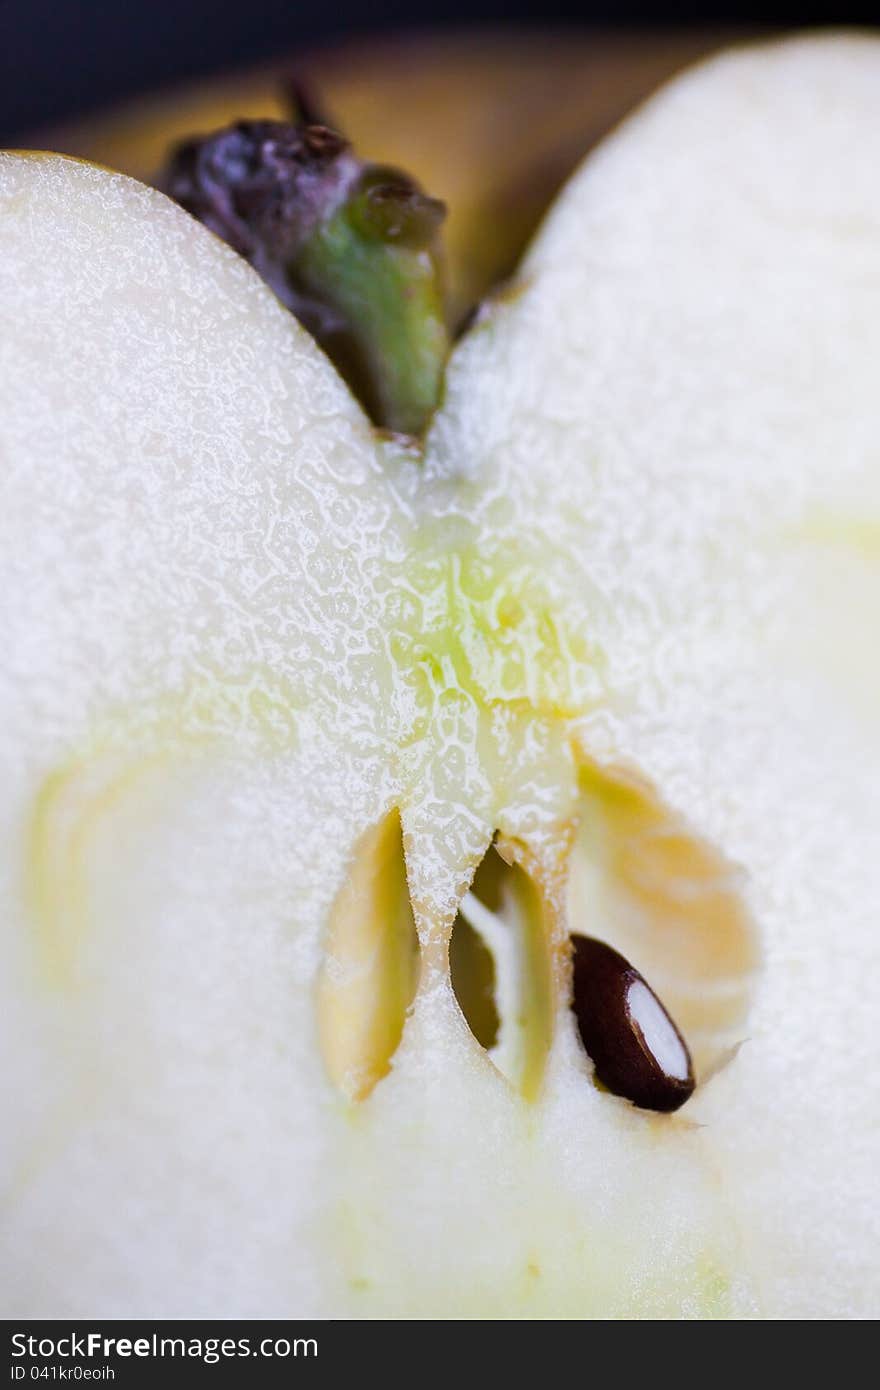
pixel 376 261
pixel 353 249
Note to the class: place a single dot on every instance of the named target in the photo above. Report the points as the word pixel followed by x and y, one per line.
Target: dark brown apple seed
pixel 633 1043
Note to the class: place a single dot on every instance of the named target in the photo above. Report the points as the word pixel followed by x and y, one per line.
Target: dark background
pixel 62 58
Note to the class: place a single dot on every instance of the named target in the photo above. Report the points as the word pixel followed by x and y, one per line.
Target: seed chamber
pixel 641 880
pixel 500 966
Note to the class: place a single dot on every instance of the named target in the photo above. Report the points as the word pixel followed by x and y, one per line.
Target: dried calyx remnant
pixel 351 248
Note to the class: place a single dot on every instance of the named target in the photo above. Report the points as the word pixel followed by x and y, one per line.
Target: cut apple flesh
pixel 638 560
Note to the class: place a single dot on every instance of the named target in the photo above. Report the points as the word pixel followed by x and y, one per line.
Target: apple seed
pixel 634 1045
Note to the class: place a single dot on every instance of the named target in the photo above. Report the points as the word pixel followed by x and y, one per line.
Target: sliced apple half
pixel 286 706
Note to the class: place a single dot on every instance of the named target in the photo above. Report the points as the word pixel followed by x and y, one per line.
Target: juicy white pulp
pixel 633 587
